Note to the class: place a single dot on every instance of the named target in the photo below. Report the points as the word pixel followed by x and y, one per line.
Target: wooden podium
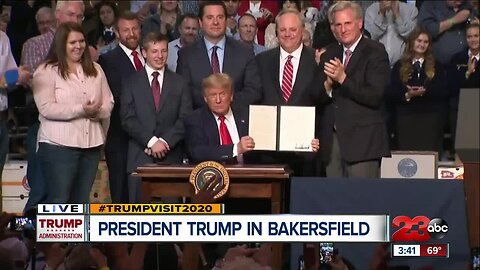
pixel 246 181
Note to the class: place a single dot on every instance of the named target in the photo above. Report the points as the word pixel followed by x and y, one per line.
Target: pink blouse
pixel 60 103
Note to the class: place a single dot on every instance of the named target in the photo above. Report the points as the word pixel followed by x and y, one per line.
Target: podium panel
pixel 410 164
pixel 246 181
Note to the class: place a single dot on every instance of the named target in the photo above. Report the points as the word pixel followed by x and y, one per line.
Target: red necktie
pixel 287 79
pixel 215 63
pixel 224 134
pixel 156 89
pixel 348 54
pixel 136 61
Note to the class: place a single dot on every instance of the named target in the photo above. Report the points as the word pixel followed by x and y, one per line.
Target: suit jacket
pixel 357 106
pixel 305 91
pixel 434 99
pixel 203 139
pixel 142 122
pixel 238 62
pixel 457 80
pixel 117 66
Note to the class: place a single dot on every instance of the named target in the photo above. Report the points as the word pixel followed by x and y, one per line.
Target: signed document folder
pixel 282 128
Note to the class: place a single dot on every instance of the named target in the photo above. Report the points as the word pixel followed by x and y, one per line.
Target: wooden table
pixel 246 181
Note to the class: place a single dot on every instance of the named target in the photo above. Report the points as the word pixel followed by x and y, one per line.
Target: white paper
pixel 262 127
pixel 297 128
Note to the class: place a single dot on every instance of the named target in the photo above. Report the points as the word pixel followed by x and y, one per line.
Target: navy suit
pixel 419 120
pixel 194 65
pixel 142 122
pixel 203 139
pixel 117 66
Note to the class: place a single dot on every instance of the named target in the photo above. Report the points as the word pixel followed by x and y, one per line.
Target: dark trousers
pixel 338 167
pixel 452 122
pixel 36 180
pixel 3 144
pixel 117 175
pixel 70 172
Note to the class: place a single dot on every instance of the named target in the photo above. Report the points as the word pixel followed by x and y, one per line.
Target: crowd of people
pixel 171 82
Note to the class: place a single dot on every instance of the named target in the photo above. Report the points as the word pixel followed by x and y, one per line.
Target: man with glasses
pixel 34 52
pixel 45 19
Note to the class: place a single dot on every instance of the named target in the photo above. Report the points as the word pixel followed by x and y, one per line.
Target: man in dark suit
pixel 217 53
pixel 154 102
pixel 205 133
pixel 120 63
pixel 289 77
pixel 353 131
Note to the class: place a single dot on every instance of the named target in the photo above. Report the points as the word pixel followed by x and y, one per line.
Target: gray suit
pixel 141 121
pixel 238 62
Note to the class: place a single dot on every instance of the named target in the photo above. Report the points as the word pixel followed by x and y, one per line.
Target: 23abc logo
pixel 419 229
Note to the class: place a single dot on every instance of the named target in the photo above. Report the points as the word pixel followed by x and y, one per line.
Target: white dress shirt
pixel 7 62
pixel 421 60
pixel 128 52
pixel 352 49
pixel 173 47
pixel 295 62
pixel 477 56
pixel 232 129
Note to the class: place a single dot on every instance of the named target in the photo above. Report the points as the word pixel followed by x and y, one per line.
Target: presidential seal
pixel 407 167
pixel 210 172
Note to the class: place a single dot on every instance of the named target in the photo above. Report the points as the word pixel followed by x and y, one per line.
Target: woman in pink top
pixel 74 101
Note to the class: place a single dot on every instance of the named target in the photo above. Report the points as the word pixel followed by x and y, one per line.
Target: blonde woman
pixel 418 91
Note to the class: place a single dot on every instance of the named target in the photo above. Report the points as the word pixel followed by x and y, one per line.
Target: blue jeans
pixel 3 144
pixel 36 180
pixel 70 172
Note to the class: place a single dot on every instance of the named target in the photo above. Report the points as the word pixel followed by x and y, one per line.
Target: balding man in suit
pixel 289 78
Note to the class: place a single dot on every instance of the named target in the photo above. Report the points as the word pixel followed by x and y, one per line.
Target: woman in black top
pixel 419 94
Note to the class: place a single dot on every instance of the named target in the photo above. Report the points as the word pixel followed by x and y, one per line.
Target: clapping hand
pixel 266 13
pixel 335 70
pixel 91 108
pixel 471 65
pixel 415 91
pixel 24 76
